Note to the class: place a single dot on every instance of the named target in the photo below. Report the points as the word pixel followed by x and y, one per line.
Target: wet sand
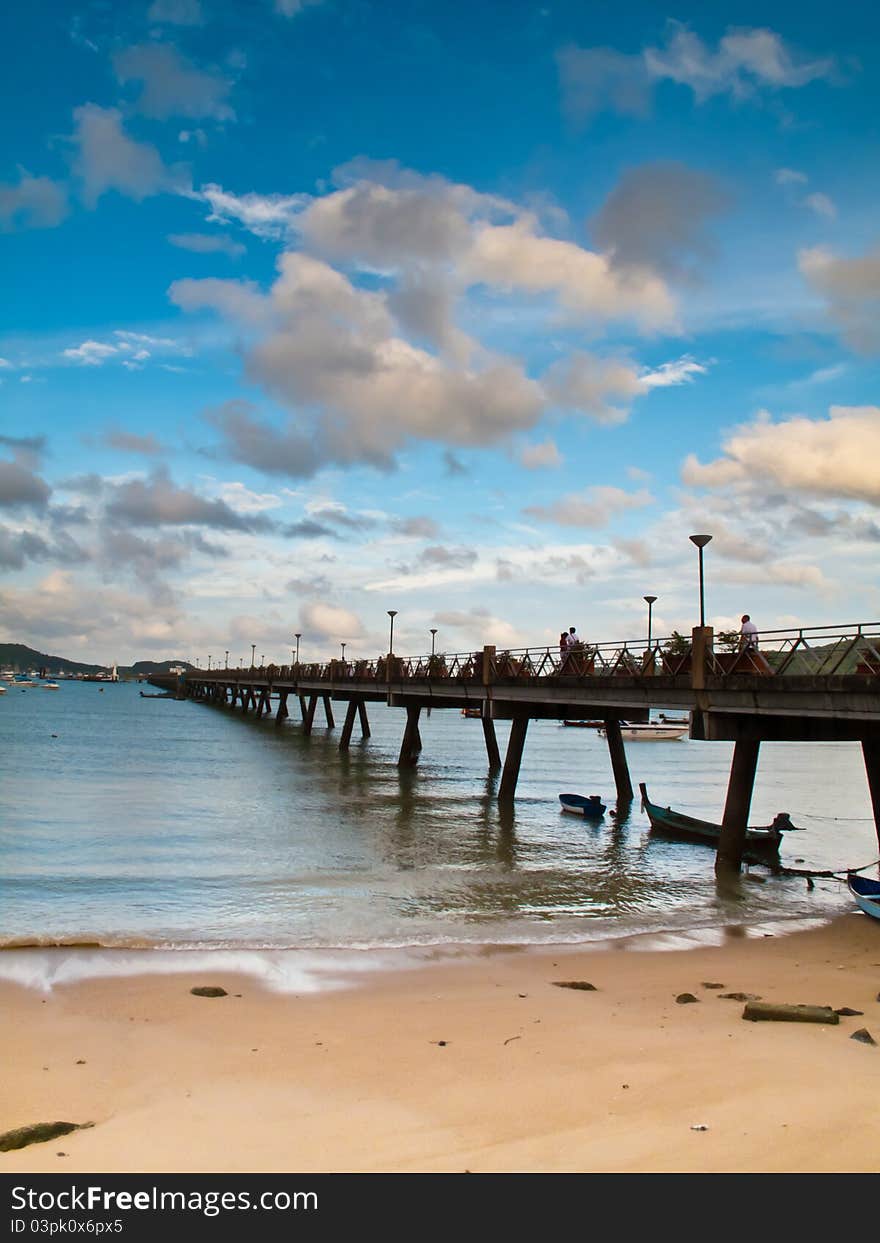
pixel 477 1062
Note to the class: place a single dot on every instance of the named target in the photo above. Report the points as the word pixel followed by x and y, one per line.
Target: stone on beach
pixel 684 999
pixel 781 1013
pixel 208 990
pixel 864 1036
pixel 583 985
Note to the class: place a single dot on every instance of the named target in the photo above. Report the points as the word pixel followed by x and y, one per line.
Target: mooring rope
pixel 838 875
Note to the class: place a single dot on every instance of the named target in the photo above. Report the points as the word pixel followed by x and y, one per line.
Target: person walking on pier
pixel 748 635
pixel 573 642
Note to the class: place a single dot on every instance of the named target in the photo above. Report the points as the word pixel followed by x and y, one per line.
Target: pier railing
pixel 805 651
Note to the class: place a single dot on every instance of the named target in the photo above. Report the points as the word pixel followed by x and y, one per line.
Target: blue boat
pixel 866 893
pixel 589 806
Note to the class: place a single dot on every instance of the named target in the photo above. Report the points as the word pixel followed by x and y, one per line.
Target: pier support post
pixel 412 742
pixel 871 755
pixel 732 841
pixel 618 760
pixel 491 744
pixel 362 717
pixel 310 714
pixel 303 706
pixel 328 712
pixel 517 741
pixel 348 725
pixel 281 713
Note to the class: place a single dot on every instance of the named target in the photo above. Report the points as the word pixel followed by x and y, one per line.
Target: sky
pixel 314 309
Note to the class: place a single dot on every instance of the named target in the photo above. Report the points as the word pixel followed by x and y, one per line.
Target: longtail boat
pixel 866 893
pixel 763 839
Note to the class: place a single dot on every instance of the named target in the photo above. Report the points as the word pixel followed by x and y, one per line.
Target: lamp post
pixel 262 660
pixel 297 636
pixel 227 658
pixel 253 649
pixel 433 637
pixel 701 541
pixel 392 613
pixel 342 645
pixel 209 664
pixel 649 600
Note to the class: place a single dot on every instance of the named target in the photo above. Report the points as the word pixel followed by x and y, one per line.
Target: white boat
pixel 50 686
pixel 650 732
pixel 2 690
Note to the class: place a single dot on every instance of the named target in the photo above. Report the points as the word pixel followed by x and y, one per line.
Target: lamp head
pixel 649 599
pixel 392 612
pixel 700 540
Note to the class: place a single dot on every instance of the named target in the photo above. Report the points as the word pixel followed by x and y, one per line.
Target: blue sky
pixel 475 311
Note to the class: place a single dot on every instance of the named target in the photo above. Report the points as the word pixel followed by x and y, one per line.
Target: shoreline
pixel 473 1060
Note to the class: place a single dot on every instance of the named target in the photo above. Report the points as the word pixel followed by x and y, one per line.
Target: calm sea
pixel 140 822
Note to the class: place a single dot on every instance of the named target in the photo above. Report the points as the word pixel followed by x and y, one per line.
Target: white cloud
pixel 207 244
pixel 329 622
pixel 264 215
pixel 172 85
pixel 91 353
pixel 540 456
pixel 822 205
pixel 790 176
pixel 107 159
pixel 32 203
pixel 680 371
pixel 290 8
pixel 832 457
pixel 851 288
pixel 594 507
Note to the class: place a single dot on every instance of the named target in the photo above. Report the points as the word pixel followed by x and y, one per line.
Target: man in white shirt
pixel 573 642
pixel 748 635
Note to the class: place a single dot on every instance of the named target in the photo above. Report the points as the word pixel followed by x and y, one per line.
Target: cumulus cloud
pixel 107 159
pixel 158 501
pixel 831 457
pixel 418 527
pixel 207 244
pixel 540 456
pixel 790 176
pixel 172 85
pixel 131 442
pixel 32 203
pixel 658 216
pixel 327 621
pixel 851 289
pixel 603 388
pixel 22 488
pixel 594 507
pixel 745 62
pixel 478 626
pixel 132 349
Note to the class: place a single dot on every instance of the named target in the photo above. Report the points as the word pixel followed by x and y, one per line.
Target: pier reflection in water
pixel 179 823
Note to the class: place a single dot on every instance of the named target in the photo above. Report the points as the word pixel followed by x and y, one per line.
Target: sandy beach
pixel 479 1062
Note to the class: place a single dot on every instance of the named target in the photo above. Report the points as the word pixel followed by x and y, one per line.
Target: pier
pixel 816 684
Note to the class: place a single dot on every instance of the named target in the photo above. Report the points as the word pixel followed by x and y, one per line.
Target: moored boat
pixel 650 732
pixel 866 893
pixel 585 724
pixel 590 806
pixel 763 840
pixel 472 712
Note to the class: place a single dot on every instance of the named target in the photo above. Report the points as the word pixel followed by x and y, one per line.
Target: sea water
pixel 130 822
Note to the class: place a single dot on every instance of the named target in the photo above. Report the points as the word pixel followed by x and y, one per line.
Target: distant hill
pixel 18 656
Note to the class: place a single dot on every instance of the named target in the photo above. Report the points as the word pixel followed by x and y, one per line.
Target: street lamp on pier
pixel 649 600
pixel 227 659
pixel 253 650
pixel 433 637
pixel 701 541
pixel 297 636
pixel 209 664
pixel 342 645
pixel 392 613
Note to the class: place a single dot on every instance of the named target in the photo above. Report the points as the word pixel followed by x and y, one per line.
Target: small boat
pixel 589 806
pixel 50 686
pixel 866 893
pixel 2 690
pixel 674 720
pixel 650 732
pixel 585 724
pixel 763 840
pixel 472 712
